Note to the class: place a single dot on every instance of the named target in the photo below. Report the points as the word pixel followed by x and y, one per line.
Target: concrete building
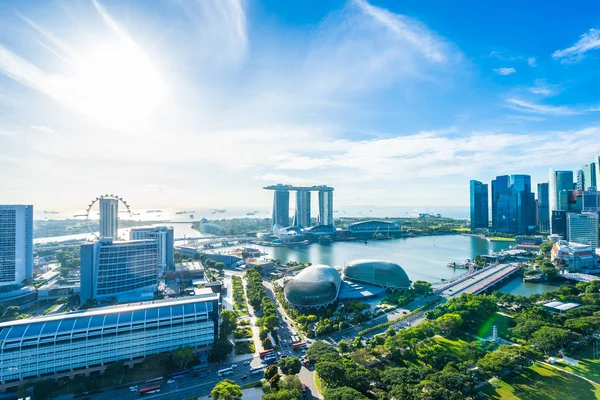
pixel 583 228
pixel 579 180
pixel 575 255
pixel 543 207
pixel 326 207
pixel 111 269
pixel 479 205
pixel 109 218
pixel 302 216
pixel 75 343
pixel 164 236
pixel 589 175
pixel 16 244
pixel 281 208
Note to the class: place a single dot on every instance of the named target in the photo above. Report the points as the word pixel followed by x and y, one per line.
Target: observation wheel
pixel 90 210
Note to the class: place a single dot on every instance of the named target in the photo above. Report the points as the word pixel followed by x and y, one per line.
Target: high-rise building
pixel 326 207
pixel 559 223
pixel 543 213
pixel 165 240
pixel 16 244
pixel 281 208
pixel 589 175
pixel 591 200
pixel 109 218
pixel 302 216
pixel 479 205
pixel 583 228
pixel 112 269
pixel 559 181
pixel 500 186
pixel 579 181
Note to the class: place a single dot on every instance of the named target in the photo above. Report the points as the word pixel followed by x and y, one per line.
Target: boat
pixel 251 213
pixel 50 212
pixel 191 216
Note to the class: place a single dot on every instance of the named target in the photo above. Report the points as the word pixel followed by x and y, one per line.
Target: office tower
pixel 281 208
pixel 559 181
pixel 589 175
pixel 591 200
pixel 576 203
pixel 479 205
pixel 165 240
pixel 109 218
pixel 74 341
pixel 326 207
pixel 16 244
pixel 111 269
pixel 543 213
pixel 579 181
pixel 583 228
pixel 302 216
pixel 559 223
pixel 499 186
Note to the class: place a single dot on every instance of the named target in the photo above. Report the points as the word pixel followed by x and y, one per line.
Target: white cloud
pixel 542 87
pixel 587 42
pixel 531 61
pixel 9 133
pixel 505 71
pixel 521 105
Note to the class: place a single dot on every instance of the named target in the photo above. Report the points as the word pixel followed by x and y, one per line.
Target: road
pixel 478 280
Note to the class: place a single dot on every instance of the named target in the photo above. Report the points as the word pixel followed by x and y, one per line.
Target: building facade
pixel 589 175
pixel 16 244
pixel 164 236
pixel 591 200
pixel 576 256
pixel 559 223
pixel 109 218
pixel 500 186
pixel 513 205
pixel 281 208
pixel 68 342
pixel 302 216
pixel 579 180
pixel 326 207
pixel 479 205
pixel 111 269
pixel 583 228
pixel 543 207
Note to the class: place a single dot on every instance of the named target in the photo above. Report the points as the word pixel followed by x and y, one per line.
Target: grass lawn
pixel 542 382
pixel 502 239
pixel 461 230
pixel 318 383
pixel 587 366
pixel 502 322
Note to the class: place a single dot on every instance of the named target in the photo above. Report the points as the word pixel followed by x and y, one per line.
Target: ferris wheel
pixel 89 210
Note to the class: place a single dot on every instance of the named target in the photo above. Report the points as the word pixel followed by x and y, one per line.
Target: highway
pixel 480 281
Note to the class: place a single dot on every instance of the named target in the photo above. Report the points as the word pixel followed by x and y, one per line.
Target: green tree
pixel 290 365
pixel 344 393
pixel 270 371
pixel 220 350
pixel 43 389
pixel 546 247
pixel 226 390
pixel 448 324
pixel 422 287
pixel 183 357
pixel 332 373
pixel 548 338
pixel 319 351
pixel 267 344
pixel 115 372
pixel 229 322
pixel 549 270
pixel 343 347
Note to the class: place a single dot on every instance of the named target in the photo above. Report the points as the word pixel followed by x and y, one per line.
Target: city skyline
pixel 386 97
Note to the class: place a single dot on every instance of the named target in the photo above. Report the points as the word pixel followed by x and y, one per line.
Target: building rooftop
pixel 560 306
pixel 322 188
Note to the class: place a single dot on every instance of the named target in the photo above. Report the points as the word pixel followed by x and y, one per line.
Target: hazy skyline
pixel 179 103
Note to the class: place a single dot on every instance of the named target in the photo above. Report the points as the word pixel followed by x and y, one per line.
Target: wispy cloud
pixel 505 71
pixel 9 133
pixel 522 105
pixel 531 61
pixel 542 87
pixel 587 42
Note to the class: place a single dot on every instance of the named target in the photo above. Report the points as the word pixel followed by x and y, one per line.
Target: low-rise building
pixel 575 255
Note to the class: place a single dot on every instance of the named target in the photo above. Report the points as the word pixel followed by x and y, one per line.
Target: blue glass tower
pixel 479 204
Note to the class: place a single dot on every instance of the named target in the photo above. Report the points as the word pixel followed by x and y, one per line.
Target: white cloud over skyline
pixel 587 42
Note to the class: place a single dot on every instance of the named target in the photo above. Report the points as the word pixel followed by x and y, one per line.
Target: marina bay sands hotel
pixel 281 205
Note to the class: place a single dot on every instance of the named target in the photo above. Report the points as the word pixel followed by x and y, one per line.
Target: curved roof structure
pixel 377 272
pixel 315 286
pixel 373 226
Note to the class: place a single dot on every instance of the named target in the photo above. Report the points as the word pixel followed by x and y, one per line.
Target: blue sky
pixel 183 102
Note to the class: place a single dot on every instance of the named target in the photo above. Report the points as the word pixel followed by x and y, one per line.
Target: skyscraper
pixel 591 200
pixel 579 181
pixel 326 207
pixel 499 186
pixel 559 181
pixel 589 175
pixel 281 208
pixel 479 205
pixel 543 213
pixel 583 228
pixel 559 223
pixel 110 269
pixel 16 244
pixel 109 218
pixel 165 240
pixel 302 216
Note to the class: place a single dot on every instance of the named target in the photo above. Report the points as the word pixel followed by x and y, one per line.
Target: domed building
pixel 314 287
pixel 375 272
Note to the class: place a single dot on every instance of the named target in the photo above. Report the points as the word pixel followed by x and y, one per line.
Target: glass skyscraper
pixel 302 216
pixel 16 244
pixel 479 205
pixel 559 181
pixel 543 212
pixel 281 208
pixel 513 204
pixel 559 223
pixel 499 186
pixel 583 228
pixel 589 175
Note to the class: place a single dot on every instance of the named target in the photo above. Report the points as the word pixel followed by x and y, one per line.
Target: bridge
pixel 580 277
pixel 478 281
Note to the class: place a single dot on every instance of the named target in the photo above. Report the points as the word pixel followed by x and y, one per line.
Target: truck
pixel 262 354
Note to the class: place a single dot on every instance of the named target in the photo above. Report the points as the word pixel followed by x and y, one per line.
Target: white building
pixel 111 269
pixel 16 244
pixel 583 228
pixel 325 207
pixel 164 236
pixel 575 255
pixel 60 344
pixel 109 218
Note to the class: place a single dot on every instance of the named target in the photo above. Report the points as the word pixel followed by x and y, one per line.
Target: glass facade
pixel 479 205
pixel 499 186
pixel 514 208
pixel 591 200
pixel 326 207
pixel 164 238
pixel 302 217
pixel 589 175
pixel 583 228
pixel 559 223
pixel 281 208
pixel 16 244
pixel 61 343
pixel 543 210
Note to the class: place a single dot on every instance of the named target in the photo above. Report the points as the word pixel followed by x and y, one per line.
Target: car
pixel 246 362
pixel 171 381
pixel 233 365
pixel 133 388
pixel 307 340
pixel 244 376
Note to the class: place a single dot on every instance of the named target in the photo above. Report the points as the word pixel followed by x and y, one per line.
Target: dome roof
pixel 317 285
pixel 377 272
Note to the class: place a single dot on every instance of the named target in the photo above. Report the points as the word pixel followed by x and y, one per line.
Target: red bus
pixel 149 389
pixel 299 345
pixel 303 389
pixel 262 354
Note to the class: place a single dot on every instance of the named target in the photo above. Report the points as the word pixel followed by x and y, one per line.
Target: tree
pixel 548 338
pixel 290 365
pixel 267 344
pixel 505 358
pixel 183 356
pixel 448 324
pixel 270 371
pixel 43 389
pixel 332 373
pixel 546 247
pixel 177 257
pixel 115 372
pixel 220 350
pixel 343 393
pixel 549 270
pixel 319 351
pixel 343 347
pixel 226 390
pixel 229 322
pixel 422 287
